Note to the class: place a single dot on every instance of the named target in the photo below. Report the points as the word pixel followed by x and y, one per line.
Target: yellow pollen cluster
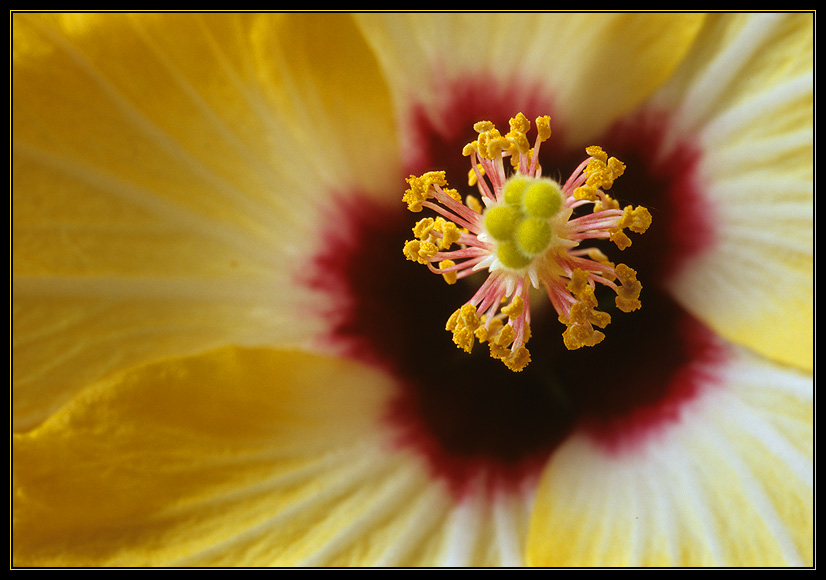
pixel 433 236
pixel 583 315
pixel 492 145
pixel 635 219
pixel 467 327
pixel 523 231
pixel 628 294
pixel 419 190
pixel 601 172
pixel 463 324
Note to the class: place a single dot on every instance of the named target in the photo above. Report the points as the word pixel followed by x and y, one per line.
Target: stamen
pixel 525 235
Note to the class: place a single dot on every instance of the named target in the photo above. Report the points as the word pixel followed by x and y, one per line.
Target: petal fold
pixel 216 458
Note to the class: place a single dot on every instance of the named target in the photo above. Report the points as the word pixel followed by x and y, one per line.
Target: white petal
pixel 744 99
pixel 729 483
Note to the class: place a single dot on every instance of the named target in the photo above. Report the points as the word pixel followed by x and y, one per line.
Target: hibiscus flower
pixel 221 356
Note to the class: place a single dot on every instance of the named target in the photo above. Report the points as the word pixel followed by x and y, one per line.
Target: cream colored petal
pixel 169 172
pixel 729 484
pixel 243 458
pixel 591 68
pixel 745 99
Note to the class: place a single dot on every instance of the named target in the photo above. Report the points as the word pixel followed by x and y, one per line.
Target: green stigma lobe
pixel 521 223
pixel 532 236
pixel 542 199
pixel 501 222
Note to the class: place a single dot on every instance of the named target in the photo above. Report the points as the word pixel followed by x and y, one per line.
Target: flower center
pixel 468 417
pixel 525 238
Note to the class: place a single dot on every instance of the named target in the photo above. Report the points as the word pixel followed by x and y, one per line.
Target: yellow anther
pixel 637 219
pixel 519 141
pixel 606 179
pixel 579 287
pixel 450 277
pixel 519 126
pixel 450 235
pixel 500 342
pixel 473 176
pixel 463 338
pixel 411 250
pixel 433 178
pixel 583 315
pixel 543 127
pixel 518 360
pixel 463 323
pixel 490 143
pixel 496 145
pixel 616 166
pixel 599 256
pixel 598 175
pixel 453 320
pixel 452 193
pixel 498 352
pixel 419 190
pixel 586 192
pixel 620 239
pixel 419 251
pixel 597 153
pixel 473 203
pixel 423 227
pixel 488 329
pixel 601 171
pixel 526 333
pixel 427 250
pixel 504 337
pixel 483 126
pixel 629 293
pixel 515 308
pixel 468 314
pixel 520 123
pixel 413 198
pixel 581 334
pixel 605 202
pixel 469 149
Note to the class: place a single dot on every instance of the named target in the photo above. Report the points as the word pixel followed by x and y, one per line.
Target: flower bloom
pixel 221 358
pixel 526 236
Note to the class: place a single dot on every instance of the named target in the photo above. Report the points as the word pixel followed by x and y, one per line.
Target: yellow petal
pixel 730 483
pixel 590 67
pixel 243 457
pixel 168 171
pixel 745 97
pixel 175 458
